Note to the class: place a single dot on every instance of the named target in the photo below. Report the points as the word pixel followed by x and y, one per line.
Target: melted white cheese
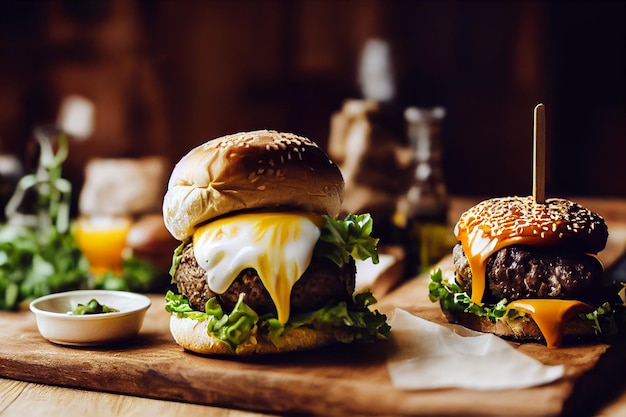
pixel 279 246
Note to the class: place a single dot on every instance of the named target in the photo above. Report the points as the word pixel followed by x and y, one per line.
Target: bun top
pixel 263 169
pixel 521 220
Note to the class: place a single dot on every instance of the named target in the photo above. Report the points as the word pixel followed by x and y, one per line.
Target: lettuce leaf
pixel 350 237
pixel 606 319
pixel 177 256
pixel 355 321
pixel 351 322
pixel 232 329
pixel 451 296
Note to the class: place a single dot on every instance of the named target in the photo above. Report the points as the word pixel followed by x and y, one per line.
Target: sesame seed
pixel 519 216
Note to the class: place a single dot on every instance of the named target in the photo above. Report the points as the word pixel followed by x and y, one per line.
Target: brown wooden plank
pixel 333 381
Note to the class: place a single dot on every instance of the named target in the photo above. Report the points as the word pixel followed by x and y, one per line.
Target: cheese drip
pixel 483 235
pixel 279 246
pixel 478 246
pixel 551 315
pixel 496 224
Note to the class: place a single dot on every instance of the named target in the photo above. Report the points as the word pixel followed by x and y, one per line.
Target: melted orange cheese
pixel 516 221
pixel 480 240
pixel 551 315
pixel 279 246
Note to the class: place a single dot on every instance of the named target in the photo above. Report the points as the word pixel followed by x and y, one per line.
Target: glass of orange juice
pixel 102 240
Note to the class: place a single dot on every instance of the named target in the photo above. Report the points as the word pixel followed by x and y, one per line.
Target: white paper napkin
pixel 368 272
pixel 431 356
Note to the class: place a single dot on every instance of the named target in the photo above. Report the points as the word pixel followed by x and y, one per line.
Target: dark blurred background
pixel 167 75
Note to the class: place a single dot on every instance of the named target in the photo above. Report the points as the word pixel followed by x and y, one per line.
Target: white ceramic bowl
pixel 58 326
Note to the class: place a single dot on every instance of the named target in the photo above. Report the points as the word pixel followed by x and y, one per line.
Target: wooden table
pixel 19 398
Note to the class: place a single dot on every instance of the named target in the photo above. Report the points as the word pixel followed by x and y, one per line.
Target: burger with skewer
pixel 528 271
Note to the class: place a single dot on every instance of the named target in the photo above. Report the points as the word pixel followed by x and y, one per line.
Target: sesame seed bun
pixel 263 169
pixel 558 221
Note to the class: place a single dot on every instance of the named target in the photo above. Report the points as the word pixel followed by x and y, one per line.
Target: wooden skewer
pixel 539 154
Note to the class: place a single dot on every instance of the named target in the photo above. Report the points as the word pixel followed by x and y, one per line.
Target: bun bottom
pixel 192 336
pixel 525 330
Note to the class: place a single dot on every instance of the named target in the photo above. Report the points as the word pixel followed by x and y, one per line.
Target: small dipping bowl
pixel 56 323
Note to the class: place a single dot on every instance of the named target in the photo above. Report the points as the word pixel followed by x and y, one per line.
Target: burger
pixel 528 271
pixel 264 265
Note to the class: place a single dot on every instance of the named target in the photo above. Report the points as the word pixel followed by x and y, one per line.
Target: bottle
pixel 421 213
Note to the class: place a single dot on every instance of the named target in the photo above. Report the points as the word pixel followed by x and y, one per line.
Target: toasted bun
pixel 250 170
pixel 192 335
pixel 556 222
pixel 520 330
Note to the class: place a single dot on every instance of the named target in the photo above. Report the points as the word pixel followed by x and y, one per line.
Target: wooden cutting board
pixel 342 380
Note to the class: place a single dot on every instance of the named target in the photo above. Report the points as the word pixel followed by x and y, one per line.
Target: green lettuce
pixel 177 256
pixel 350 237
pixel 233 328
pixel 355 321
pixel 452 297
pixel 349 321
pixel 606 319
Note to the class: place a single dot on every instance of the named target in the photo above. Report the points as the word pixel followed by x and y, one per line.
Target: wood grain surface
pixel 339 380
pixel 22 399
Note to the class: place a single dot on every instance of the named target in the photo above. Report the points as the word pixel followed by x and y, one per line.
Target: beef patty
pixel 518 272
pixel 322 282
